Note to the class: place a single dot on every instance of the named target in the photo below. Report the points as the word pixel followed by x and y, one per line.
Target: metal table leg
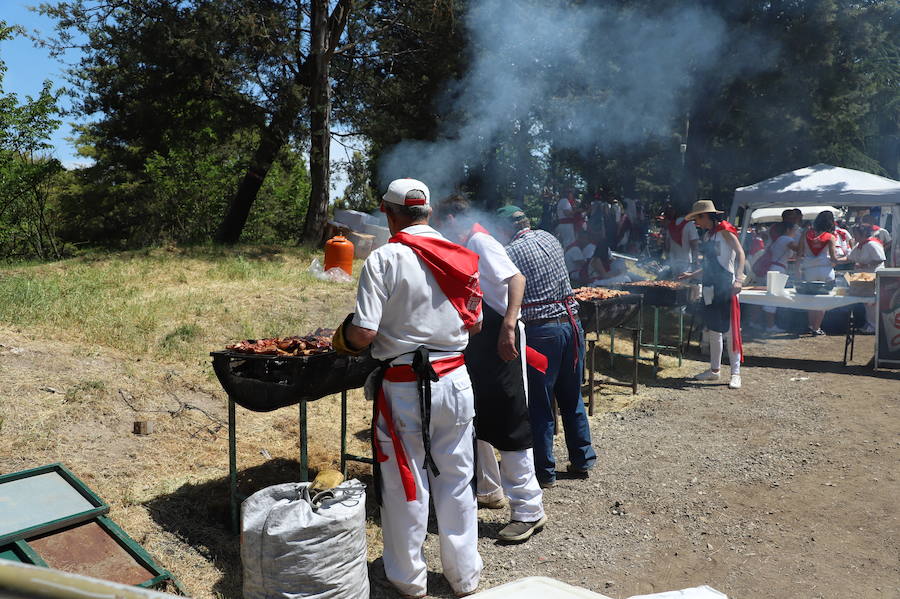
pixel 612 348
pixel 636 343
pixel 655 340
pixel 304 472
pixel 680 334
pixel 592 345
pixel 232 466
pixel 344 432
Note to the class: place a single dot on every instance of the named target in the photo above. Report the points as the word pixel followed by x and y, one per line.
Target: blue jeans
pixel 563 380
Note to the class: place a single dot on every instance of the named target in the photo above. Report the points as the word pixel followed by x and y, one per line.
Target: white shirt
pixel 841 242
pixel 680 253
pixel 869 256
pixel 400 298
pixel 576 257
pixel 780 251
pixel 495 269
pixel 563 206
pixel 883 235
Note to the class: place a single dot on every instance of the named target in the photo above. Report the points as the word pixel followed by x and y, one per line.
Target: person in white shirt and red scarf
pixel 868 256
pixel 818 255
pixel 496 362
pixel 417 303
pixel 550 313
pixel 723 273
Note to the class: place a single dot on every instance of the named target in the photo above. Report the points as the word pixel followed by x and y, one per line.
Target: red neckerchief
pixel 876 228
pixel 454 267
pixel 736 340
pixel 876 240
pixel 817 243
pixel 476 228
pixel 757 245
pixel 841 233
pixel 725 226
pixel 676 230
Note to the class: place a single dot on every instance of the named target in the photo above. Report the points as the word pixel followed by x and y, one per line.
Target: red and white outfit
pixel 816 264
pixel 869 257
pixel 681 233
pixel 400 297
pixel 569 222
pixel 780 253
pixel 514 476
pixel 578 262
pixel 843 242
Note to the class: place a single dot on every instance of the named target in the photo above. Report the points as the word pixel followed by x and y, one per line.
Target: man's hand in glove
pixel 350 339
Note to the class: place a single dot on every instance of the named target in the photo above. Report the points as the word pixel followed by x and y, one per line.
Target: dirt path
pixel 786 488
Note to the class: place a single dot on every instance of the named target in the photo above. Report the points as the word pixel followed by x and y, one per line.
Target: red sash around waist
pixel 405 374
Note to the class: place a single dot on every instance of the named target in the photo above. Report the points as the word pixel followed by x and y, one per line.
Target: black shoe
pixel 577 472
pixel 517 531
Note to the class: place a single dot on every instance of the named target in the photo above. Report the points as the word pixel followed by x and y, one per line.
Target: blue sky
pixel 28 67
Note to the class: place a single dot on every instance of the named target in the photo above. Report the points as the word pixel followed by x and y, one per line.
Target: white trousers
pixel 566 234
pixel 404 523
pixel 514 478
pixel 715 351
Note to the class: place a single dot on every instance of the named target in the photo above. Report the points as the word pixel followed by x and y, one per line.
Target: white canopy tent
pixel 773 215
pixel 821 185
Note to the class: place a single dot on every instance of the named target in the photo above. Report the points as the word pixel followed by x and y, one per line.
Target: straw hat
pixel 702 207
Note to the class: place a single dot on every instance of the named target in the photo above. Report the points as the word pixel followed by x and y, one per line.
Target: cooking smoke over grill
pixel 587 77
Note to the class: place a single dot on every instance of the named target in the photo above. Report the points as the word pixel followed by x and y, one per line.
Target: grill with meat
pixel 586 294
pixel 308 345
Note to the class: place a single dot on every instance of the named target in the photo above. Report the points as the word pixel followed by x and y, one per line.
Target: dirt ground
pixel 786 488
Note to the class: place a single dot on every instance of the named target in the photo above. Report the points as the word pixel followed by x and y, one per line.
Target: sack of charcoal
pixel 299 544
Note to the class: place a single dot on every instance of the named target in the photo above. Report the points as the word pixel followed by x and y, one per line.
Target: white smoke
pixel 591 77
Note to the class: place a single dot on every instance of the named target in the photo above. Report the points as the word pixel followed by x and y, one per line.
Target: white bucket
pixel 775 282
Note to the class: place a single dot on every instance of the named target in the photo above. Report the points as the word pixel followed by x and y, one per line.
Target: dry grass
pixel 89 345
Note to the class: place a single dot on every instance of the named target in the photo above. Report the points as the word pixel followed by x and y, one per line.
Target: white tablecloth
pixel 801 302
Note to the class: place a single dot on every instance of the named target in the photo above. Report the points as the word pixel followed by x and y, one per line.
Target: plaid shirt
pixel 539 256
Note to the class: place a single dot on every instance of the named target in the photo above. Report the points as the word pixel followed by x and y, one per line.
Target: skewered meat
pixel 317 343
pixel 664 284
pixel 597 293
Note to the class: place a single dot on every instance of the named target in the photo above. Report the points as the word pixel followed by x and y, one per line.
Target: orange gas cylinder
pixel 339 253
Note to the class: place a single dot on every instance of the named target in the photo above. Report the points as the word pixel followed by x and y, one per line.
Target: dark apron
pixel 501 410
pixel 717 315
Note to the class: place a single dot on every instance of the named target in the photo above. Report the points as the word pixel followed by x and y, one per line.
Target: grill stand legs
pixel 348 457
pixel 656 347
pixel 232 467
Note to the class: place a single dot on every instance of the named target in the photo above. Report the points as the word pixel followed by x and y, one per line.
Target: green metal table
pixel 235 498
pixel 655 346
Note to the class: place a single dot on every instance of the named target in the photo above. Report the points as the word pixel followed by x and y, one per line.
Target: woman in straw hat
pixel 722 274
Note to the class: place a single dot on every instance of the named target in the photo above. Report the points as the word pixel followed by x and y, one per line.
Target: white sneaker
pixel 707 375
pixel 735 382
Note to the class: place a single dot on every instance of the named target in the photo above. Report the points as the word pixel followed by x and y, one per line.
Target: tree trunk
pixel 320 124
pixel 272 139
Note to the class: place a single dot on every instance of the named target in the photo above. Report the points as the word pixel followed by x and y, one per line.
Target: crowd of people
pixel 476 326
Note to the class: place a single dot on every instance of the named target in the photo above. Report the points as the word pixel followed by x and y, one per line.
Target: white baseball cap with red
pixel 399 188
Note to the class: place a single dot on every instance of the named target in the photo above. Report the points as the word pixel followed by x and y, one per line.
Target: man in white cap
pixel 417 303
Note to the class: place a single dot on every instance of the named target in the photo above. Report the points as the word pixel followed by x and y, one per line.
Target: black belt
pixel 555 320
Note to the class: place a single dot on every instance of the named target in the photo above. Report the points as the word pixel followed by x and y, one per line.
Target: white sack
pixel 294 546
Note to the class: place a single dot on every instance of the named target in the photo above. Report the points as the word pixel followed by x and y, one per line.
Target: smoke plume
pixel 588 77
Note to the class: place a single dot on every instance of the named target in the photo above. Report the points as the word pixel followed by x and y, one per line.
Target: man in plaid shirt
pixel 550 313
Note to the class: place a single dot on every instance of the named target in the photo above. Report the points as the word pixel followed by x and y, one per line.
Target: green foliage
pixel 27 218
pixel 359 194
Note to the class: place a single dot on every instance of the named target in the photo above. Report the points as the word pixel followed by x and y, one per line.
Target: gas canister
pixel 339 254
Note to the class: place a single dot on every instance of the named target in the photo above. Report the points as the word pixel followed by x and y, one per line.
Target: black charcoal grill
pixel 660 296
pixel 262 383
pixel 600 315
pixel 607 314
